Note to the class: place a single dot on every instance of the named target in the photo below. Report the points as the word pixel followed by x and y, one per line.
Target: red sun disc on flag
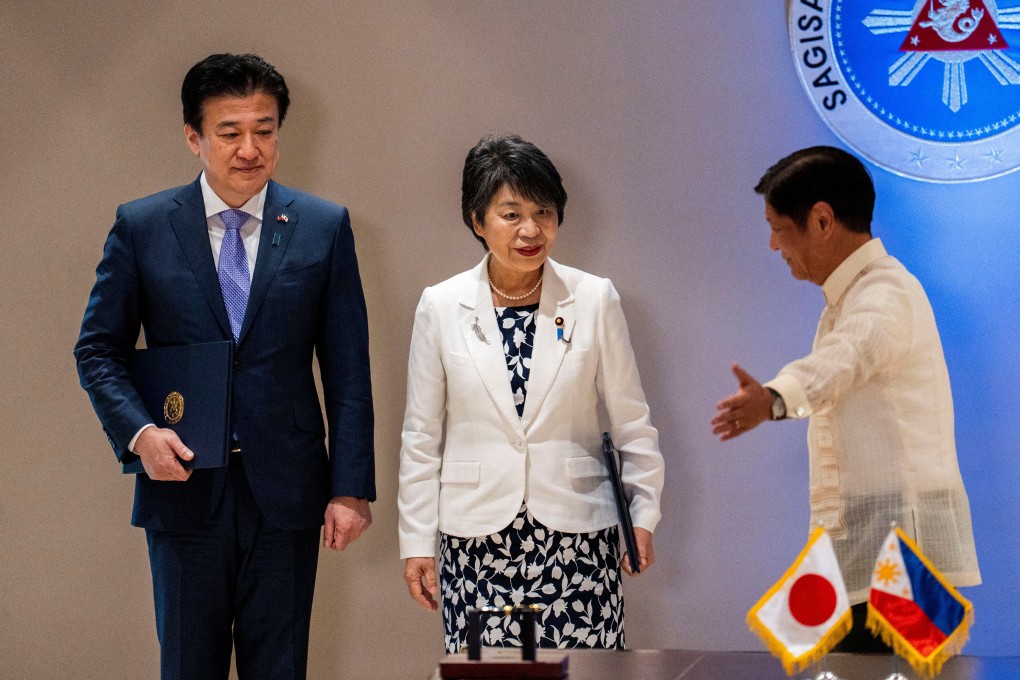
pixel 812 600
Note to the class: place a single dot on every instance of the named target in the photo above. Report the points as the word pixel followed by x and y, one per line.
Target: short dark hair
pixel 231 75
pixel 821 173
pixel 498 160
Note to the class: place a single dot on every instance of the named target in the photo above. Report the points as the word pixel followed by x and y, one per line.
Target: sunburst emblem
pixel 952 32
pixel 871 71
pixel 887 571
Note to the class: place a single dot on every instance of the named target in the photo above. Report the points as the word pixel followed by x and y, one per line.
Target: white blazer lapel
pixel 547 353
pixel 484 343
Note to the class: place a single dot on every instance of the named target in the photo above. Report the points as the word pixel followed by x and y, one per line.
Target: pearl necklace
pixel 514 298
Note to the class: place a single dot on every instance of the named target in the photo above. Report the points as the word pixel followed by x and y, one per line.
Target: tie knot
pixel 233 219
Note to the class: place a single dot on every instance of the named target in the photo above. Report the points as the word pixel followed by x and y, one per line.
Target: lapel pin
pixel 478 332
pixel 559 330
pixel 282 218
pixel 276 239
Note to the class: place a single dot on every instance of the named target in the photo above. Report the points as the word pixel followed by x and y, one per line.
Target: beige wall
pixel 660 115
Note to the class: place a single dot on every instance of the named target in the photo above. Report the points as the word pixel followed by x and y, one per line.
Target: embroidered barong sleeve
pixel 870 333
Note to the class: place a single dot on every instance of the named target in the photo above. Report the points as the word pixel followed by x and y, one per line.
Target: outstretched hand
pixel 743 410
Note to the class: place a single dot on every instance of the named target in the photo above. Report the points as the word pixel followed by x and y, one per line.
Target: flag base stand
pixel 827 675
pixel 896 665
pixel 824 673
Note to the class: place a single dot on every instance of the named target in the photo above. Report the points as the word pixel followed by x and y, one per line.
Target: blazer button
pixel 237 364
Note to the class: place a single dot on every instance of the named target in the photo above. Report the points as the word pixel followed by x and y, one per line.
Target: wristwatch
pixel 778 405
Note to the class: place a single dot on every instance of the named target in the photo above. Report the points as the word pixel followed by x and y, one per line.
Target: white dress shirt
pixel 881 441
pixel 250 230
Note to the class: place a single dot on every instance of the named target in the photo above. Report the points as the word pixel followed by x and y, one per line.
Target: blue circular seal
pixel 929 89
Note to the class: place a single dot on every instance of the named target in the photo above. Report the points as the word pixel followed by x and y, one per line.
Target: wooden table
pixel 676 664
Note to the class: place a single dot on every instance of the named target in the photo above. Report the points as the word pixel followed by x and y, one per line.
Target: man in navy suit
pixel 235 256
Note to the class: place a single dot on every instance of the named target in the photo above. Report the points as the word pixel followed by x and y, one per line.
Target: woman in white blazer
pixel 501 448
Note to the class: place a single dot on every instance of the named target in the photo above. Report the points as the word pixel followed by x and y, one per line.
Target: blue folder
pixel 187 389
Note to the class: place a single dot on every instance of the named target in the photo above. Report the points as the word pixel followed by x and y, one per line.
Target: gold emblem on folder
pixel 173 408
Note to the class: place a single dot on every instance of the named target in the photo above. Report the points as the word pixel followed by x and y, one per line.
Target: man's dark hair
pixel 507 159
pixel 821 173
pixel 231 75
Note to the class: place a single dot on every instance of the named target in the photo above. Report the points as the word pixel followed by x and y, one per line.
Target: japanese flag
pixel 807 612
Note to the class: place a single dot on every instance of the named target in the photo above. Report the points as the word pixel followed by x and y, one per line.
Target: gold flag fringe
pixel 928 666
pixel 792 664
pixel 837 632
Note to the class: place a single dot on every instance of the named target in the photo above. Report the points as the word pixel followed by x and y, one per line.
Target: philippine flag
pixel 807 612
pixel 914 609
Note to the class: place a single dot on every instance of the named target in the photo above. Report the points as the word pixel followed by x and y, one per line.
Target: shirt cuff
pixel 792 392
pixel 131 444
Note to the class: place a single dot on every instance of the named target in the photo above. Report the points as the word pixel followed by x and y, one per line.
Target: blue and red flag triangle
pixel 914 609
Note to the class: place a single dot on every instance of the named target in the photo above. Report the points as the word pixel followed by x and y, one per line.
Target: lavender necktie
pixel 233 269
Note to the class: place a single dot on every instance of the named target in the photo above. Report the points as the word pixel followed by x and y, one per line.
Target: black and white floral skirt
pixel 574 578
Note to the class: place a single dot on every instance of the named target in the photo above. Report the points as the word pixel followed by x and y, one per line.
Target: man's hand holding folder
pixel 186 390
pixel 162 451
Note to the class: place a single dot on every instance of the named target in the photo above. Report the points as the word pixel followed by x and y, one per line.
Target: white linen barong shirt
pixel 881 439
